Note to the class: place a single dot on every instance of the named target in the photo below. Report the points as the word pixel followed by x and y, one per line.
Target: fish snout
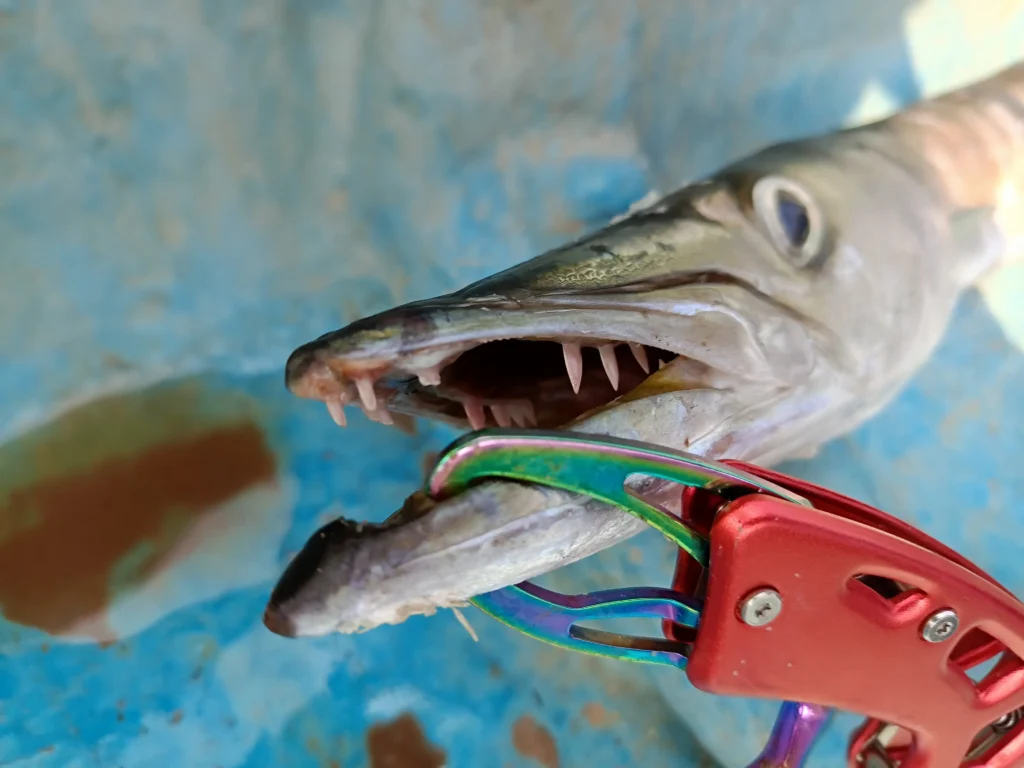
pixel 307 579
pixel 278 622
pixel 305 375
pixel 343 367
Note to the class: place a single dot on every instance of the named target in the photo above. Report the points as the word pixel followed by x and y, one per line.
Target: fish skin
pixel 782 349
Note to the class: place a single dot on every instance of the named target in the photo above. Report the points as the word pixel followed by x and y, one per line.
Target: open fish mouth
pixel 529 382
pixel 551 376
pixel 525 382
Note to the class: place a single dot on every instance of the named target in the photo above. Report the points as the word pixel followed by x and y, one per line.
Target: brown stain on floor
pixel 401 743
pixel 598 716
pixel 535 742
pixel 100 497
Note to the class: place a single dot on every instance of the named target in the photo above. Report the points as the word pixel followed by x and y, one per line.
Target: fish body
pixel 754 315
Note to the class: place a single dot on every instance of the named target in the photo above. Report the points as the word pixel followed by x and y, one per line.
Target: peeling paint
pixel 108 498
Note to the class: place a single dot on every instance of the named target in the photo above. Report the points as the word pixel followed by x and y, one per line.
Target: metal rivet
pixel 1007 721
pixel 761 608
pixel 940 626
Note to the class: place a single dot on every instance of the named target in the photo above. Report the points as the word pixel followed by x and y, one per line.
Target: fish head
pixel 751 315
pixel 775 272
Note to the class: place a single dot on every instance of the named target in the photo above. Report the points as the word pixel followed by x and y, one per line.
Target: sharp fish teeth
pixel 502 415
pixel 529 413
pixel 431 377
pixel 382 416
pixel 475 413
pixel 369 398
pixel 574 365
pixel 641 355
pixel 336 408
pixel 523 414
pixel 518 415
pixel 611 365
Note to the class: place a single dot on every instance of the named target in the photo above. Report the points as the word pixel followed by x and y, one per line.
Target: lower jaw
pixel 658 412
pixel 666 382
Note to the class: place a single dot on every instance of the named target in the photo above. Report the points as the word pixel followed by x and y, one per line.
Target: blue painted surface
pixel 210 686
pixel 189 190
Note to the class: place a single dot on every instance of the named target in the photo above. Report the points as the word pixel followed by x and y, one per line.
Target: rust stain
pixel 97 500
pixel 336 201
pixel 401 743
pixel 598 716
pixel 535 742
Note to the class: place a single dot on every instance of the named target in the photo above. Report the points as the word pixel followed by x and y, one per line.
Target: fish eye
pixel 796 222
pixel 792 218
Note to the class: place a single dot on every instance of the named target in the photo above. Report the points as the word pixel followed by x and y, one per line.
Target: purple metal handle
pixel 796 729
pixel 555 618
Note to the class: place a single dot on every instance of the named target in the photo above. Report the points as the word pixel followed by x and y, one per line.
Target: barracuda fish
pixel 755 314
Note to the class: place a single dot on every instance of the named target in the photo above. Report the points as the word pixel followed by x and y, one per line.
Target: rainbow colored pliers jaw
pixel 595 466
pixel 555 618
pixel 600 467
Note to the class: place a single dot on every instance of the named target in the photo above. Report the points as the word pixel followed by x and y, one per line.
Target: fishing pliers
pixel 782 590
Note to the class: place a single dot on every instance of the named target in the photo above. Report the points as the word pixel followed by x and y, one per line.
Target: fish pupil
pixel 794 218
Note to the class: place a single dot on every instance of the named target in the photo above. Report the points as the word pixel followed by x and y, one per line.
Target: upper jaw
pixel 438 359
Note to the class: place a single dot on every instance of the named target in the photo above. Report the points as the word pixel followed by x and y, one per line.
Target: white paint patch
pixel 1002 291
pixel 234 546
pixel 875 103
pixel 391 703
pixel 646 201
pixel 270 678
pixel 453 726
pixel 1003 288
pixel 951 46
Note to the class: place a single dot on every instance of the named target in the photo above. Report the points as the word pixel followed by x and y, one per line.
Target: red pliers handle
pixel 844 606
pixel 783 590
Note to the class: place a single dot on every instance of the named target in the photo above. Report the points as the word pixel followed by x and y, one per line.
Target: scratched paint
pixel 189 190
